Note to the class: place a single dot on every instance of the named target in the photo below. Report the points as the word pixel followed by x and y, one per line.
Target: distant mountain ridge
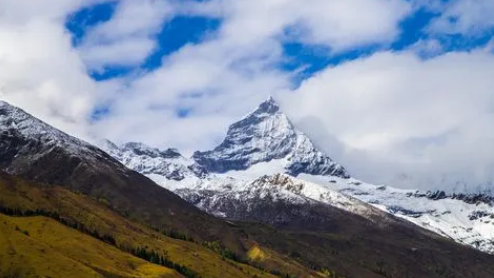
pixel 146 160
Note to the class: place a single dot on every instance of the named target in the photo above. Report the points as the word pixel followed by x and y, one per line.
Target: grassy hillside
pixel 42 247
pixel 354 251
pixel 94 218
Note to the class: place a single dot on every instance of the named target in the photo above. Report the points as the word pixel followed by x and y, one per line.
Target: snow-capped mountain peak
pixel 266 167
pixel 269 106
pixel 266 135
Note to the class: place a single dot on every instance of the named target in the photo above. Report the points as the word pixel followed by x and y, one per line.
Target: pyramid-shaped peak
pixel 263 136
pixel 269 106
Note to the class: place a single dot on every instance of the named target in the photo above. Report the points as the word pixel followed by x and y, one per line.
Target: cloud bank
pixel 40 71
pixel 418 122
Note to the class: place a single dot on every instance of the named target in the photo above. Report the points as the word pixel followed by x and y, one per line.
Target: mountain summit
pixel 266 135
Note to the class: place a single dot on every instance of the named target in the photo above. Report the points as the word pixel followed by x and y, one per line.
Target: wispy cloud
pixel 128 38
pixel 465 17
pixel 39 69
pixel 335 24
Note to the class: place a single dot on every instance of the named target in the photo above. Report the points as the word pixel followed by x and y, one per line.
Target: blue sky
pixel 173 35
pixel 383 78
pixel 305 59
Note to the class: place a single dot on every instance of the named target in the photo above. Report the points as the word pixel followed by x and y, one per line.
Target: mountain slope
pixel 467 219
pixel 36 151
pixel 240 199
pixel 42 247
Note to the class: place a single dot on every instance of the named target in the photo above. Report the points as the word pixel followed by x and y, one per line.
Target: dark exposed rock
pixel 474 198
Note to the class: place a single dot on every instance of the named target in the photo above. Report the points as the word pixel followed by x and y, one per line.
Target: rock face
pixel 27 144
pixel 266 135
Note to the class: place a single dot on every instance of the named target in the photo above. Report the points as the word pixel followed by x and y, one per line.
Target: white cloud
pixel 128 37
pixel 490 46
pixel 427 48
pixel 217 80
pixel 124 52
pixel 428 118
pixel 332 23
pixel 17 12
pixel 465 17
pixel 39 70
pixel 235 68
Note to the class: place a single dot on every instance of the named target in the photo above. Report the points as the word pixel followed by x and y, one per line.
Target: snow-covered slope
pixel 212 193
pixel 263 180
pixel 467 219
pixel 23 127
pixel 264 158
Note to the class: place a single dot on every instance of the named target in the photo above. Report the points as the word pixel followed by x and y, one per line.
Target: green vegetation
pixel 54 250
pixel 217 247
pixel 330 274
pixel 177 235
pixel 55 216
